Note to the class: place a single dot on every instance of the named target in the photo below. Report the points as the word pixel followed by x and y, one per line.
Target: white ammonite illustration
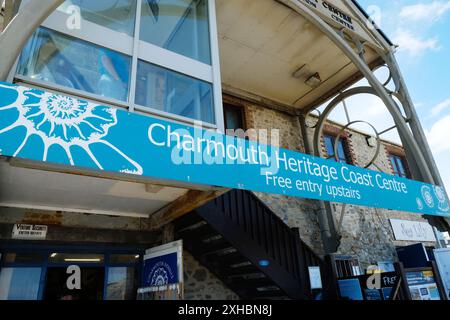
pixel 65 125
pixel 159 278
pixel 427 196
pixel 442 198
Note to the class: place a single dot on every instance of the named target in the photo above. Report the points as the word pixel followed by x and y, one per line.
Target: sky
pixel 421 29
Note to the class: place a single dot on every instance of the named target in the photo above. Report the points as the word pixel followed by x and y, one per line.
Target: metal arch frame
pixel 423 173
pixel 17 32
pixel 418 152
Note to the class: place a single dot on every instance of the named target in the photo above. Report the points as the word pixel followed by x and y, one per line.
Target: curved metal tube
pixel 20 29
pixel 399 120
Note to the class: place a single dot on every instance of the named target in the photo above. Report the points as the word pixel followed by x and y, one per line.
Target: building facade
pixel 230 64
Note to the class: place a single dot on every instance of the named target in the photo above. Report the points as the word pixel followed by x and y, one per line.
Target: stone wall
pixel 201 284
pixel 366 232
pixel 295 212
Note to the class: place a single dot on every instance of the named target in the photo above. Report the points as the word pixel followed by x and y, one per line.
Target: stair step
pixel 230 272
pixel 219 252
pixel 192 227
pixel 226 260
pixel 254 284
pixel 211 246
pixel 247 276
pixel 197 235
pixel 186 221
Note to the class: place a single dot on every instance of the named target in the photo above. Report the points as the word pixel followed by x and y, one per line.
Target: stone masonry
pixel 366 232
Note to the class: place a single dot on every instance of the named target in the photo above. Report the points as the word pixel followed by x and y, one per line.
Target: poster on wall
pixel 405 230
pixel 377 286
pixel 442 257
pixel 422 285
pixel 163 273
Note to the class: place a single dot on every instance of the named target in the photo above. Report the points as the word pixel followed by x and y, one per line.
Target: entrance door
pixel 91 280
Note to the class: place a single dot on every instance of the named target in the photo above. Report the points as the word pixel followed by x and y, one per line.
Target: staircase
pixel 240 240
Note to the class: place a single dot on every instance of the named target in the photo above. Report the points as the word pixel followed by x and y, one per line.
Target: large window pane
pixel 52 57
pixel 21 257
pixel 122 283
pixel 19 283
pixel 118 15
pixel 177 25
pixel 168 91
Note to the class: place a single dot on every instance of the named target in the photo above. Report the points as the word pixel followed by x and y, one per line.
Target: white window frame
pixel 137 50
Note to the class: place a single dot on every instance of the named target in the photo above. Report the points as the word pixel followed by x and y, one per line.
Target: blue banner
pixel 48 127
pixel 161 270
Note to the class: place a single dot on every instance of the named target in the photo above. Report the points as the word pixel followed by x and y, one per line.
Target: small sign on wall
pixel 315 278
pixel 29 232
pixel 405 230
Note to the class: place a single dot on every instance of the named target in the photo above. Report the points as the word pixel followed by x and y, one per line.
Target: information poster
pixel 376 286
pixel 422 285
pixel 442 257
pixel 163 273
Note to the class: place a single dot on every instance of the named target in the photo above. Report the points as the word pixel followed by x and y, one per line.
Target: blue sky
pixel 421 28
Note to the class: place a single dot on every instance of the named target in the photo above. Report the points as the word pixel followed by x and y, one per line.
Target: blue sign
pixel 350 289
pixel 161 270
pixel 43 126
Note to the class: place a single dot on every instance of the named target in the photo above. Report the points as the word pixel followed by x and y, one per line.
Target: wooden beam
pixel 183 205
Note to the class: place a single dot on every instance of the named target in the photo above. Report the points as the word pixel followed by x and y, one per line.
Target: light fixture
pixel 82 260
pixel 314 81
pixel 263 263
pixel 303 72
pixel 53 255
pixel 136 256
pixel 371 141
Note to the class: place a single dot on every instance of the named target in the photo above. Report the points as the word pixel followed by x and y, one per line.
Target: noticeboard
pixel 376 286
pixel 442 257
pixel 422 285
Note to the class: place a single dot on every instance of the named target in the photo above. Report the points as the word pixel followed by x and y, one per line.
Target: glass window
pixel 117 15
pixel 180 26
pixel 329 146
pixel 168 91
pixel 399 167
pixel 19 283
pixel 122 283
pixel 52 57
pixel 234 119
pixel 75 258
pixel 23 257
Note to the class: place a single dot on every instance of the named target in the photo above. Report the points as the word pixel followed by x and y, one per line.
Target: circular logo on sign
pixel 419 204
pixel 159 277
pixel 427 196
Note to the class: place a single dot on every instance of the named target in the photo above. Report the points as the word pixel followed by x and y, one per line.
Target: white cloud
pixel 428 12
pixel 439 108
pixel 414 45
pixel 438 135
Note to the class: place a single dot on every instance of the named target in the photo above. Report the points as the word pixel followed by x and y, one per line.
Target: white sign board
pixel 29 232
pixel 442 257
pixel 405 230
pixel 314 277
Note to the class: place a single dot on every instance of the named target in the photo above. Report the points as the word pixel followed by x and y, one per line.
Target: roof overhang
pixel 270 50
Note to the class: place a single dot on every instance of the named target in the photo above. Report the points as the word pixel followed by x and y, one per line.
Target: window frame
pixel 137 50
pixel 404 163
pixel 344 143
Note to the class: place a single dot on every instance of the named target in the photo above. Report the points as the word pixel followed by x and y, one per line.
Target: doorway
pixel 91 284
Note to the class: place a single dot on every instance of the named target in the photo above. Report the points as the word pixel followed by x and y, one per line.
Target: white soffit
pixel 262 43
pixel 38 189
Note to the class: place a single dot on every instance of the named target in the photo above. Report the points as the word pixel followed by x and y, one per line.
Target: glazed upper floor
pixel 175 58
